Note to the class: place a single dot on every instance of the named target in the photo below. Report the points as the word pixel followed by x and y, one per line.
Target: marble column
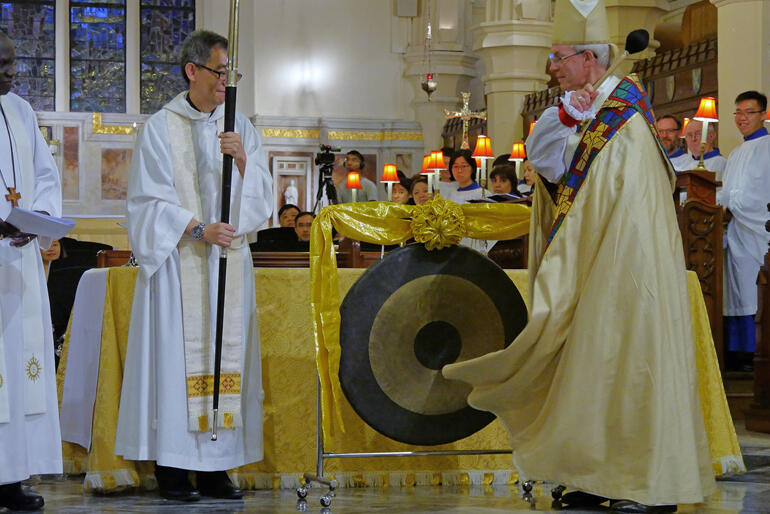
pixel 452 60
pixel 625 16
pixel 744 59
pixel 514 42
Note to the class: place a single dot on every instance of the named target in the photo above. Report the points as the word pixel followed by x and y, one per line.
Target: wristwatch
pixel 197 231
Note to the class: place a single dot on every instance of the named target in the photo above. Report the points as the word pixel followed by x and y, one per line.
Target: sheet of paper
pixel 31 222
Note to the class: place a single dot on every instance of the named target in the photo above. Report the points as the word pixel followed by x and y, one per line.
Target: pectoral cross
pixel 13 197
pixel 466 115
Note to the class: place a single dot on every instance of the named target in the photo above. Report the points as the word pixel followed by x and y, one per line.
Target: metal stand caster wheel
pixel 302 492
pixel 557 491
pixel 326 500
pixel 527 486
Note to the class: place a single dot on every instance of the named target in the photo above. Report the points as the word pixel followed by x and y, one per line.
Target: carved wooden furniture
pixel 758 413
pixel 700 223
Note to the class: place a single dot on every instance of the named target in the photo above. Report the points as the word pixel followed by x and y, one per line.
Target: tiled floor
pixel 747 493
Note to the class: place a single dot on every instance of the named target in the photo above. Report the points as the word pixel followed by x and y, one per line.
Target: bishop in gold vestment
pixel 599 391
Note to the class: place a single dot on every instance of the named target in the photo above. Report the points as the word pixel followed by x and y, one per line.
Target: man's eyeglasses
pixel 221 75
pixel 746 114
pixel 556 59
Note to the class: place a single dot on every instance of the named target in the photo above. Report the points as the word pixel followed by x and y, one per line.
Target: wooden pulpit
pixel 700 222
pixel 758 413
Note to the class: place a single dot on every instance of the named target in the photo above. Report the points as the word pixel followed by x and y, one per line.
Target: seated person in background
pixel 401 192
pixel 286 215
pixel 462 168
pixel 503 178
pixel 354 161
pixel 418 189
pixel 668 129
pixel 712 159
pixel 302 224
pixel 446 184
pixel 526 186
pixel 53 253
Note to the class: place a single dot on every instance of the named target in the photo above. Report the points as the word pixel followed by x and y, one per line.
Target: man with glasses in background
pixel 668 129
pixel 173 208
pixel 744 195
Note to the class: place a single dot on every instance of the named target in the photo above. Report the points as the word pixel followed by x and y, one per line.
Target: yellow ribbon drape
pixel 437 223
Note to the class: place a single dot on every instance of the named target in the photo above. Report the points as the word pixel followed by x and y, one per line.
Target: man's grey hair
pixel 197 48
pixel 601 52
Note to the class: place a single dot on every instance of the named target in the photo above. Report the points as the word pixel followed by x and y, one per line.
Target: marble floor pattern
pixel 744 493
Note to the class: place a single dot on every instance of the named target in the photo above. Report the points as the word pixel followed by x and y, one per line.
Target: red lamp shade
pixel 684 126
pixel 518 152
pixel 483 147
pixel 767 120
pixel 425 164
pixel 436 161
pixel 707 110
pixel 354 181
pixel 531 126
pixel 389 173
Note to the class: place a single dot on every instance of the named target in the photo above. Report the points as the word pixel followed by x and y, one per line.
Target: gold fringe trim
pixel 378 479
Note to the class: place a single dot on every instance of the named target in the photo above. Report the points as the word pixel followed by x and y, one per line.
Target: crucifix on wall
pixel 466 115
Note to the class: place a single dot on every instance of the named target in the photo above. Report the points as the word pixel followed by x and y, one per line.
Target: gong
pixel 405 318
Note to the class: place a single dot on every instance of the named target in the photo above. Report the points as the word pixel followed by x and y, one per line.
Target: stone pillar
pixel 452 61
pixel 744 64
pixel 514 42
pixel 625 16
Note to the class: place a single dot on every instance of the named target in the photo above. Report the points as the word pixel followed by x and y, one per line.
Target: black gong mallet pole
pixel 227 175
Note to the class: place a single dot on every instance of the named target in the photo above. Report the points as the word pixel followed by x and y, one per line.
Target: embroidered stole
pixel 198 294
pixel 32 326
pixel 627 99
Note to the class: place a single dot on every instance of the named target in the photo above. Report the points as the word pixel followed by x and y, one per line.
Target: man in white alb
pixel 173 210
pixel 745 194
pixel 30 441
pixel 713 160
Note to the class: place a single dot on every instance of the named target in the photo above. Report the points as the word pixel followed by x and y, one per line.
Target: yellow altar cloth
pixel 289 380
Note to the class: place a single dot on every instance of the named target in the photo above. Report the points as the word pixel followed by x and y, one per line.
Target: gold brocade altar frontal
pixel 289 381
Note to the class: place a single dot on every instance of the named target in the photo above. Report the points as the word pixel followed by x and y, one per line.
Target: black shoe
pixel 632 506
pixel 173 484
pixel 581 499
pixel 216 484
pixel 13 497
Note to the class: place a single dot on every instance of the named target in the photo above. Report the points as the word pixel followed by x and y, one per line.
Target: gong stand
pixel 322 455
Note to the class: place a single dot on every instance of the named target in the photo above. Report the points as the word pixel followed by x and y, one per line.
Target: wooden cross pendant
pixel 13 196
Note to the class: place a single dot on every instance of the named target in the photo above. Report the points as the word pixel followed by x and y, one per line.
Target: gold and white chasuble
pixel 599 392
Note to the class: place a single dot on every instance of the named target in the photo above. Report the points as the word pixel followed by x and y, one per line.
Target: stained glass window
pixel 30 24
pixel 98 56
pixel 164 26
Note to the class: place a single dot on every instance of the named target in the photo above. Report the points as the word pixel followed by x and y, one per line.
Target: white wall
pixel 330 58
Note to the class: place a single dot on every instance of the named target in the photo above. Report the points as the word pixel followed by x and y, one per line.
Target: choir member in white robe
pixel 462 170
pixel 745 194
pixel 30 442
pixel 159 418
pixel 669 129
pixel 354 161
pixel 713 160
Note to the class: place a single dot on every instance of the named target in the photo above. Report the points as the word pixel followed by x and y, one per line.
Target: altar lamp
pixel 435 165
pixel 707 113
pixel 518 154
pixel 483 151
pixel 389 177
pixel 354 183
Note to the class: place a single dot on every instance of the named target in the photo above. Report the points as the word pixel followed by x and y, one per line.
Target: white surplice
pixel 152 422
pixel 746 193
pixel 30 444
pixel 712 161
